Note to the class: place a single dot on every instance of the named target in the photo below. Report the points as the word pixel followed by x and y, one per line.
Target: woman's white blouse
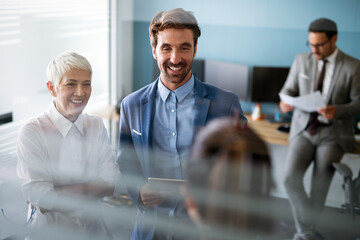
pixel 52 151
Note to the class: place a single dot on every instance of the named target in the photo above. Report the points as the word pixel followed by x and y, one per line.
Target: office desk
pixel 268 132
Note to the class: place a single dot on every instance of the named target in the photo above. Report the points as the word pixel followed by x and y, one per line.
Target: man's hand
pixel 328 112
pixel 285 108
pixel 150 198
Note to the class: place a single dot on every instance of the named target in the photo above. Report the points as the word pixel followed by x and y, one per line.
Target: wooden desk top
pixel 268 132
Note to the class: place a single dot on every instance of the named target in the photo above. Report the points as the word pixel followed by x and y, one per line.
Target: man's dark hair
pixel 175 18
pixel 324 25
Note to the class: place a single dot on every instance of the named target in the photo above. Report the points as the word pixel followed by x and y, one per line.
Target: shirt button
pixel 172 110
pixel 173 133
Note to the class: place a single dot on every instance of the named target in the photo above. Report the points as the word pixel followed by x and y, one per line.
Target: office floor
pixel 333 224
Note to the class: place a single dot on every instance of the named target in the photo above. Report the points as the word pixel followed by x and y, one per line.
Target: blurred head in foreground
pixel 229 181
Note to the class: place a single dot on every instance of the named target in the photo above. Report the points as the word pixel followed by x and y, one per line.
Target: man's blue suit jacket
pixel 135 144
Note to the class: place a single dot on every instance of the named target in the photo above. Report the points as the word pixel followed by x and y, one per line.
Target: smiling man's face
pixel 174 53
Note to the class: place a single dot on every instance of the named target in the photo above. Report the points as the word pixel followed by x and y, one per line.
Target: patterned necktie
pixel 313 122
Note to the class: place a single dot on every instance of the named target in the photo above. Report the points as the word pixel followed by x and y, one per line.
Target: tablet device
pixel 167 185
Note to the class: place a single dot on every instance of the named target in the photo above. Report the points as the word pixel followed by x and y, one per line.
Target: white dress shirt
pixel 330 65
pixel 329 72
pixel 52 151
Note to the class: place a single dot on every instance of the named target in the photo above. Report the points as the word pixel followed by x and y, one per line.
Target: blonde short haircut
pixel 63 63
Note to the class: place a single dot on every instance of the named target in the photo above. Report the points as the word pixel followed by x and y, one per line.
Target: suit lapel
pixel 338 66
pixel 147 115
pixel 313 69
pixel 202 104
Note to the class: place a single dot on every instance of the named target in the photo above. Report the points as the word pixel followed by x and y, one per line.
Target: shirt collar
pixel 62 123
pixel 180 92
pixel 331 58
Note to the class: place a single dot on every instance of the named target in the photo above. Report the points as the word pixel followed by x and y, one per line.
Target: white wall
pixel 32 32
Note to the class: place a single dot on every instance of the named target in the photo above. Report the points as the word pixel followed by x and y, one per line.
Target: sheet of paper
pixel 309 103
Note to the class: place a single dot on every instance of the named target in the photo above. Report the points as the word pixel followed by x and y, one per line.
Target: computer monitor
pixel 197 69
pixel 267 82
pixel 229 76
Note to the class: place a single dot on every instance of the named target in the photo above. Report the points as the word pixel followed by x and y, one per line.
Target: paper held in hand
pixel 308 103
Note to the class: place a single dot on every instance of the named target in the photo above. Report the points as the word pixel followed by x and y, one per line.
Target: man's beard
pixel 175 78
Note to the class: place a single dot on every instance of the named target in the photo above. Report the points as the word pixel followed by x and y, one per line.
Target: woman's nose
pixel 79 91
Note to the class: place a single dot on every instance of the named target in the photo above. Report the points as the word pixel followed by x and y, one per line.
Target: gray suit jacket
pixel 344 94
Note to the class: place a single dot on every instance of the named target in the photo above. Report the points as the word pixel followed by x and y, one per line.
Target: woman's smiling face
pixel 72 94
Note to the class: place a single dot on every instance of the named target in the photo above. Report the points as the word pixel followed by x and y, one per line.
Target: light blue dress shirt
pixel 173 128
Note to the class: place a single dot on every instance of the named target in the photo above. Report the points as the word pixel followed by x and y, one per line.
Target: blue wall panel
pixel 257 32
pixel 142 55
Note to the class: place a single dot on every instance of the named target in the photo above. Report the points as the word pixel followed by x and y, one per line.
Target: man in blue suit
pixel 159 121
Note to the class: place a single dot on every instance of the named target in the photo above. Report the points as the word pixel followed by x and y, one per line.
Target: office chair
pixel 351 188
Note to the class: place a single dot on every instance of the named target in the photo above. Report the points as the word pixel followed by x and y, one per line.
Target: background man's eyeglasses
pixel 317 46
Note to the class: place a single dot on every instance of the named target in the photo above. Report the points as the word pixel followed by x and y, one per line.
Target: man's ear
pixel 195 50
pixel 333 39
pixel 50 86
pixel 154 53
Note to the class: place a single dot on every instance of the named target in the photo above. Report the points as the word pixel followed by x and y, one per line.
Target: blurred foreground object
pixel 229 175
